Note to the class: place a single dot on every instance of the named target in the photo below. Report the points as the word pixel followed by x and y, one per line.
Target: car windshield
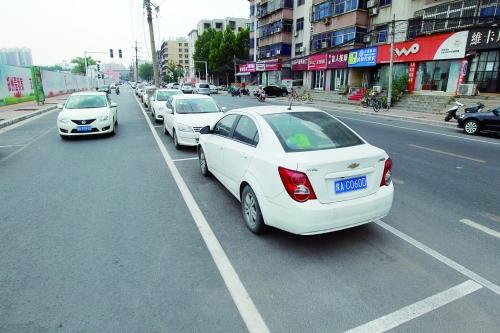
pixel 86 102
pixel 308 131
pixel 164 95
pixel 185 106
pixel 104 87
pixel 204 85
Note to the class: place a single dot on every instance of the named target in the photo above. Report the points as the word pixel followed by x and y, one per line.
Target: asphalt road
pixel 95 236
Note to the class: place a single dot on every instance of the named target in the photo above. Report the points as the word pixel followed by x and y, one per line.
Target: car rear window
pixel 204 85
pixel 308 131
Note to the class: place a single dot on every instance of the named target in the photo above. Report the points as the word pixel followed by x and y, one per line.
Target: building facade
pixel 176 51
pixel 16 57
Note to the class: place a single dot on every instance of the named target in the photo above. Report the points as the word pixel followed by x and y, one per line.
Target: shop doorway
pixel 339 78
pixel 318 82
pixel 485 72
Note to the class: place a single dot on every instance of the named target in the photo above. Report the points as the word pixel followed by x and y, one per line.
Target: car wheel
pixel 165 130
pixel 251 211
pixel 471 127
pixel 203 163
pixel 114 130
pixel 176 143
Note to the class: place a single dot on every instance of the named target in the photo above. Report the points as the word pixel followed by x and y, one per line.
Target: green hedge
pixel 13 100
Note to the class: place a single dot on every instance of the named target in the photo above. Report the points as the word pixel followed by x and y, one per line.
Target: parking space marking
pixel 11 146
pixel 185 159
pixel 447 153
pixel 26 145
pixel 246 307
pixel 492 217
pixel 418 309
pixel 24 122
pixel 480 227
pixel 438 256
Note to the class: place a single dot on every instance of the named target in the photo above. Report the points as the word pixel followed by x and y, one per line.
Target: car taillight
pixel 387 175
pixel 297 185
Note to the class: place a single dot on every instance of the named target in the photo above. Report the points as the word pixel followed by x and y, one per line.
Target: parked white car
pixel 187 88
pixel 213 89
pixel 149 92
pixel 87 113
pixel 202 88
pixel 159 103
pixel 300 170
pixel 187 114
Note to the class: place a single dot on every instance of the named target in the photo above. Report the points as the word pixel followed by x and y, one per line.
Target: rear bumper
pixel 312 217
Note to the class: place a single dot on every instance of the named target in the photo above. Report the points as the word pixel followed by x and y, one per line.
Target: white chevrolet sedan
pixel 87 113
pixel 299 170
pixel 159 103
pixel 187 114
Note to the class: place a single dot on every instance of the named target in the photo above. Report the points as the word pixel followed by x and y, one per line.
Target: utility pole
pixel 136 64
pixel 234 61
pixel 147 4
pixel 391 63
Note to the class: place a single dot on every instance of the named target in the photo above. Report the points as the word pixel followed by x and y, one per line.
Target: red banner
pixel 299 64
pixel 337 59
pixel 436 47
pixel 412 76
pixel 463 72
pixel 316 62
pixel 249 67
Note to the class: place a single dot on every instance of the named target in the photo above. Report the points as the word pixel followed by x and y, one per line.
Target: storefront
pixel 483 48
pixel 361 63
pixel 246 73
pixel 337 74
pixel 270 72
pixel 299 70
pixel 316 65
pixel 433 63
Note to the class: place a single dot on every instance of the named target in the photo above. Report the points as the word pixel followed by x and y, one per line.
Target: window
pixel 246 131
pixel 252 10
pixel 382 32
pixel 180 44
pixel 186 56
pixel 232 25
pixel 198 105
pixel 180 50
pixel 298 47
pixel 308 131
pixel 225 125
pixel 86 102
pixel 385 2
pixel 206 26
pixel 300 2
pixel 318 80
pixel 218 25
pixel 275 27
pixel 185 44
pixel 322 11
pixel 299 25
pixel 186 50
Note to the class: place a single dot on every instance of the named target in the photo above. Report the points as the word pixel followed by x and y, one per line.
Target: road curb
pixel 12 121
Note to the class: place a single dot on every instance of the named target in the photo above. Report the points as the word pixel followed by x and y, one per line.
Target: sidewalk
pixel 11 114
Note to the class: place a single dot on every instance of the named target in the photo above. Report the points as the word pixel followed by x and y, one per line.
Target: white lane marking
pixel 241 298
pixel 185 159
pixel 492 217
pixel 438 256
pixel 447 153
pixel 25 121
pixel 478 226
pixel 26 145
pixel 422 131
pixel 10 146
pixel 158 126
pixel 417 309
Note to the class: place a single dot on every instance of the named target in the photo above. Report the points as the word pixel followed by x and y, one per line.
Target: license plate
pixel 84 128
pixel 350 184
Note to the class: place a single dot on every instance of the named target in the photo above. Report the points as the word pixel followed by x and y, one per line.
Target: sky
pixel 57 30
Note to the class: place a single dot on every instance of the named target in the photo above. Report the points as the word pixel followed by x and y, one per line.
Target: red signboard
pixel 463 72
pixel 268 65
pixel 249 67
pixel 436 47
pixel 412 76
pixel 299 64
pixel 316 62
pixel 337 60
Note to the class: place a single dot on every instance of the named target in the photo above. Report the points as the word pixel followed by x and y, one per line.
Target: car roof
pixel 89 93
pixel 273 109
pixel 191 96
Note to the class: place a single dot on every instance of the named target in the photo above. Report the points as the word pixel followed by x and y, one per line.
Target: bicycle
pixel 373 102
pixel 306 97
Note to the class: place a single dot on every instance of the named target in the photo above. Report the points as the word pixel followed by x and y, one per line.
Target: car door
pixel 240 150
pixel 168 121
pixel 215 145
pixel 495 120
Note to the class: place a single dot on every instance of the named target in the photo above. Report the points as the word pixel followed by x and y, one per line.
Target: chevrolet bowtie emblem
pixel 354 166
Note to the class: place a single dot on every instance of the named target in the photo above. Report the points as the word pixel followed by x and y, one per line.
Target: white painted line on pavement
pixel 158 126
pixel 26 145
pixel 417 309
pixel 438 256
pixel 23 122
pixel 185 159
pixel 10 146
pixel 421 131
pixel 241 298
pixel 447 153
pixel 492 217
pixel 480 227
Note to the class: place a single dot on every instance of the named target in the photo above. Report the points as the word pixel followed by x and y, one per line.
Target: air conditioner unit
pixel 324 45
pixel 371 3
pixel 377 89
pixel 302 49
pixel 367 38
pixel 278 51
pixel 469 89
pixel 268 54
pixel 327 21
pixel 373 11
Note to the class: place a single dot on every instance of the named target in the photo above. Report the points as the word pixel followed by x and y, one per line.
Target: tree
pixel 173 73
pixel 146 71
pixel 80 64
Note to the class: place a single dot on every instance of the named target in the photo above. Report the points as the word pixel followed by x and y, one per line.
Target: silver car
pixel 187 88
pixel 202 88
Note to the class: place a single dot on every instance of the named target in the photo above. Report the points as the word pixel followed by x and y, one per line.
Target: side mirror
pixel 223 109
pixel 169 105
pixel 114 105
pixel 206 130
pixel 59 106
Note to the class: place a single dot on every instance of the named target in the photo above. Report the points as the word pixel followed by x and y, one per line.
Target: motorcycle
pixel 245 92
pixel 261 96
pixel 452 112
pixel 236 92
pixel 117 91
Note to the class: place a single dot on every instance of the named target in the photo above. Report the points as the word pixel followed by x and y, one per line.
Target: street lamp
pixel 206 68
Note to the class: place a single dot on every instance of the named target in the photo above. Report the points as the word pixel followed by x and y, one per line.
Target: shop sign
pixel 484 39
pixel 270 65
pixel 363 57
pixel 299 64
pixel 337 60
pixel 249 67
pixel 436 47
pixel 316 62
pixel 260 67
pixel 412 76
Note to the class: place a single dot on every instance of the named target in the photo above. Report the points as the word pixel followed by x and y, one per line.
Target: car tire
pixel 165 131
pixel 471 127
pixel 250 209
pixel 203 163
pixel 176 142
pixel 114 130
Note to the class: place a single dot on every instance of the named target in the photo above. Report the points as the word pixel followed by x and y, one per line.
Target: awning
pixel 243 74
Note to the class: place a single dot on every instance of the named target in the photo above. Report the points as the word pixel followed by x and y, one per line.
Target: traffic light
pixel 119 53
pixel 111 53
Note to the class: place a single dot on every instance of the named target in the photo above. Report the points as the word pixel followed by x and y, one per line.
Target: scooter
pixel 236 92
pixel 261 97
pixel 452 112
pixel 117 91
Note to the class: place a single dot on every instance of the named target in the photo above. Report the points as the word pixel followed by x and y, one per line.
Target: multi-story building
pixel 16 56
pixel 176 51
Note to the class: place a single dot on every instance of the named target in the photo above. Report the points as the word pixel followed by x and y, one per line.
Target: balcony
pixel 267 8
pixel 274 39
pixel 358 18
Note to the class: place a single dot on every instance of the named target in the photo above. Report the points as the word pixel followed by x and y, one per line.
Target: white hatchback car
pixel 187 114
pixel 159 103
pixel 300 170
pixel 87 113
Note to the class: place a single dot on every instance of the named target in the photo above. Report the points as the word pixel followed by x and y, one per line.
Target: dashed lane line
pixel 246 307
pixel 438 256
pixel 447 153
pixel 417 309
pixel 480 227
pixel 26 145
